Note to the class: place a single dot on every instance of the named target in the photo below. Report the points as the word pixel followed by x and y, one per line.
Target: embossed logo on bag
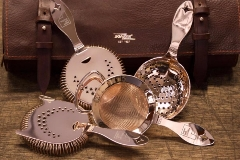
pixel 64 20
pixel 124 37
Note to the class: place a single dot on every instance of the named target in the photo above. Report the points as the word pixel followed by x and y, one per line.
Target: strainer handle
pixel 64 20
pixel 122 137
pixel 190 132
pixel 83 83
pixel 181 25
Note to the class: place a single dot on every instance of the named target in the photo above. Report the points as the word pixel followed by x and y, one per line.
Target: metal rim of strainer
pixel 165 75
pixel 69 94
pixel 94 57
pixel 184 129
pixel 125 79
pixel 183 85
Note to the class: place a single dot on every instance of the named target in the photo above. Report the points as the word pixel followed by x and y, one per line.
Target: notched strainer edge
pixel 69 95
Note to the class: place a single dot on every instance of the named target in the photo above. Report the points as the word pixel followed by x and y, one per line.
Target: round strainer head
pixel 45 130
pixel 127 102
pixel 166 77
pixel 83 60
pixel 56 128
pixel 92 58
pixel 169 82
pixel 121 103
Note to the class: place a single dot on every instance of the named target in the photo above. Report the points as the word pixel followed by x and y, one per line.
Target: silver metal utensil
pixel 125 102
pixel 57 127
pixel 84 59
pixel 166 77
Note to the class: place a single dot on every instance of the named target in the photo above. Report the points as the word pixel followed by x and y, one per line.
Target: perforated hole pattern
pixel 89 89
pixel 169 83
pixel 43 118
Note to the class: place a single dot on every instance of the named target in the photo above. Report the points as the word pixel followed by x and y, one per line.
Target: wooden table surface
pixel 216 109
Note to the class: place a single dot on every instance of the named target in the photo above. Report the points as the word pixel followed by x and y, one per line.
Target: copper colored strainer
pixel 126 102
pixel 166 77
pixel 135 110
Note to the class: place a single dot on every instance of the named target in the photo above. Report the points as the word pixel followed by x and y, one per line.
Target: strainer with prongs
pixel 57 127
pixel 166 77
pixel 84 59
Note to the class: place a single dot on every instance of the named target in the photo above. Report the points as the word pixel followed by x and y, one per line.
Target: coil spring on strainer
pixel 50 148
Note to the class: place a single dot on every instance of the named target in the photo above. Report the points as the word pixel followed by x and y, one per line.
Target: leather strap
pixel 200 37
pixel 44 45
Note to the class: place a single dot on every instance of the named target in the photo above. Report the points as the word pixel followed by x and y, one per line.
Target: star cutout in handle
pixel 186 9
pixel 56 7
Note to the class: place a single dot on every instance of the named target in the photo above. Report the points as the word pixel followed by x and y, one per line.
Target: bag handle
pixel 44 44
pixel 200 37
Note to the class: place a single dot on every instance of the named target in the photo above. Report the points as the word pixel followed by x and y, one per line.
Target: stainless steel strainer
pixel 57 127
pixel 126 102
pixel 166 77
pixel 84 60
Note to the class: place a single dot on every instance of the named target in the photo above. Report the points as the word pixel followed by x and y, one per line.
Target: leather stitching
pixel 6 26
pixel 143 54
pixel 7 47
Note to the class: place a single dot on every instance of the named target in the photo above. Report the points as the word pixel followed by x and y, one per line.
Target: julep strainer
pixel 166 77
pixel 125 102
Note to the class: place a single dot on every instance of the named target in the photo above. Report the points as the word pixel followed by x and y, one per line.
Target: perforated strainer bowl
pixel 126 102
pixel 166 77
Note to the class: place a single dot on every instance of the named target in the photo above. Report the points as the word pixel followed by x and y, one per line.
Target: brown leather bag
pixel 135 30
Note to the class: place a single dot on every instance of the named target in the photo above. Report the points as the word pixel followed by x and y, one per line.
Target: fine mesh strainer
pixel 57 127
pixel 120 94
pixel 84 60
pixel 126 102
pixel 166 77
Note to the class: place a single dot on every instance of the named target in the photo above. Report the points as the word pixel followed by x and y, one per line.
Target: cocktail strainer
pixel 166 77
pixel 126 102
pixel 57 127
pixel 84 60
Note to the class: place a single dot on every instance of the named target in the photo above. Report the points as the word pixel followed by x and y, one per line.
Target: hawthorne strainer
pixel 57 127
pixel 166 77
pixel 84 60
